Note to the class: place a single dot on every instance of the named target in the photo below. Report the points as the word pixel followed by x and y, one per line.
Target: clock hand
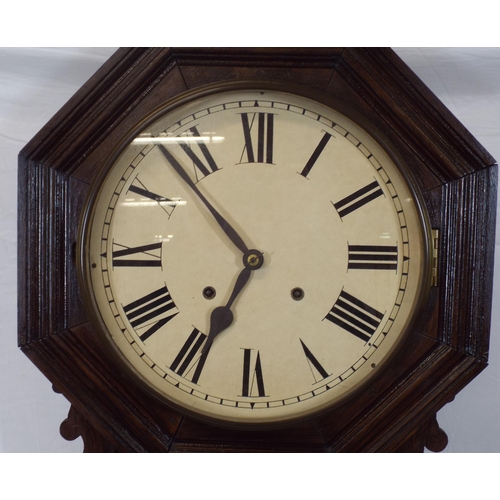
pixel 226 227
pixel 222 316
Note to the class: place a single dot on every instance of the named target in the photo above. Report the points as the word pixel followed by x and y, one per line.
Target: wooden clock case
pixel 446 348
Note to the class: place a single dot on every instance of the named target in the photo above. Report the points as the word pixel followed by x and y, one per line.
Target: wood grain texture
pixel 468 222
pixel 446 347
pixel 41 252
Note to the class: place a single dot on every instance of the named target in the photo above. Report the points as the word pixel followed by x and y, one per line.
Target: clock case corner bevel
pixel 457 180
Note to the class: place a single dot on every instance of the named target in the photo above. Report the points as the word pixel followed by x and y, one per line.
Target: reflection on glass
pixel 175 202
pixel 164 139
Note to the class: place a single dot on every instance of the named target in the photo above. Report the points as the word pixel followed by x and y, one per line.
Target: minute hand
pixel 226 227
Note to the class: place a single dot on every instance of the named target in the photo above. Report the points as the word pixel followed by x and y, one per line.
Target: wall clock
pixel 304 204
pixel 256 250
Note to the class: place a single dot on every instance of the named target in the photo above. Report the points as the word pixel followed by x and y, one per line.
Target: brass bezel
pixel 189 96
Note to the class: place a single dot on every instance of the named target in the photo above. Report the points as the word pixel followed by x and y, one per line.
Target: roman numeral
pixel 314 364
pixel 208 166
pixel 355 316
pixel 167 204
pixel 375 257
pixel 148 314
pixel 358 199
pixel 258 146
pixel 253 381
pixel 319 149
pixel 145 255
pixel 190 358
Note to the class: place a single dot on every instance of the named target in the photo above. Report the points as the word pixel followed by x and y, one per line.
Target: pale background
pixel 35 83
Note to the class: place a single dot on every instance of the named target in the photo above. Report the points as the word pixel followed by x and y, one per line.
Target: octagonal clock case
pixel 256 250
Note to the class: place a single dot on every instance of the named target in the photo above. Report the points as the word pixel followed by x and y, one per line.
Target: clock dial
pixel 253 256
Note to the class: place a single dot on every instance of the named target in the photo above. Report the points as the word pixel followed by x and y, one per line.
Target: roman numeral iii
pixel 258 132
pixel 149 313
pixel 374 257
pixel 355 316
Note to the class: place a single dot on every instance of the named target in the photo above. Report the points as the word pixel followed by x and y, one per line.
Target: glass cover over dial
pixel 253 256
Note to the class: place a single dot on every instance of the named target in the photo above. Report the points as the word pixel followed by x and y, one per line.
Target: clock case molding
pixel 447 346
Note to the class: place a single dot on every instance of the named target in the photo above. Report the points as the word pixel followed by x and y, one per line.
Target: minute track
pixel 192 260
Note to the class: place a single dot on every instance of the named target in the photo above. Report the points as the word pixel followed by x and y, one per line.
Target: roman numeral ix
pixel 355 316
pixel 374 257
pixel 148 314
pixel 144 256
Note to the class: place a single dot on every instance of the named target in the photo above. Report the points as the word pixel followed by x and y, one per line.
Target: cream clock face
pixel 282 216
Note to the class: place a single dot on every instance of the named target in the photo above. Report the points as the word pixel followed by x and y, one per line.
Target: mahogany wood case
pixel 447 346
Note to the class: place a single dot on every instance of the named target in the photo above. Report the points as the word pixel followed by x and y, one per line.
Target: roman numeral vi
pixel 253 380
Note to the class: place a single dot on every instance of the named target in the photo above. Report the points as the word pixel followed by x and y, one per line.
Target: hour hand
pixel 222 317
pixel 226 227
